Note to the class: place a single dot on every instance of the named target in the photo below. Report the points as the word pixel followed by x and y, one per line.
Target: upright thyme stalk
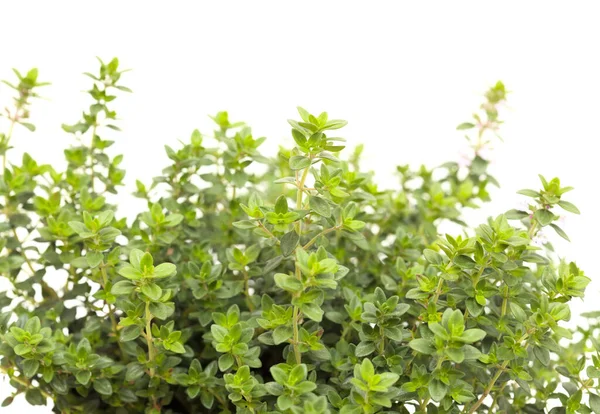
pixel 149 339
pixel 298 228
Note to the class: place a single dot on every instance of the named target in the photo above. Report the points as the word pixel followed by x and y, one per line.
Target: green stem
pixel 533 228
pixel 220 399
pixel 11 127
pixel 92 157
pixel 247 290
pixel 45 287
pixel 26 383
pixel 149 339
pixel 496 395
pixel 475 281
pixel 110 308
pixel 300 192
pixel 504 303
pixel 491 384
pixel 382 343
pixel 322 233
pixel 438 290
pixel 111 311
pixel 298 227
pixel 423 405
pixel 271 235
pixel 295 344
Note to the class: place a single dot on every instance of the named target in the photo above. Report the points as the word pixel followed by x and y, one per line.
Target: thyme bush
pixel 291 284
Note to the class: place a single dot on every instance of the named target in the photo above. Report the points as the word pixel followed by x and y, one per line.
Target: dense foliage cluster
pixel 291 284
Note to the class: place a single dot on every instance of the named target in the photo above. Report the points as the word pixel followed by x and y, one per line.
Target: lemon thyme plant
pixel 287 284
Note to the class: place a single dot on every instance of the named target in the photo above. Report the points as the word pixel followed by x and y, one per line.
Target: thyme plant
pixel 286 284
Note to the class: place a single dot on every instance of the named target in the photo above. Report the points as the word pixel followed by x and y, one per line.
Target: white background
pixel 403 75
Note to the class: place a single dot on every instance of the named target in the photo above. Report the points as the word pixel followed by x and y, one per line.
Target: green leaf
pixel 130 272
pixel 288 282
pixel 162 310
pixel 30 367
pixel 281 205
pixel 164 270
pixel 34 397
pixel 299 162
pixel 278 374
pixel 367 370
pixel 83 377
pixel 422 345
pixel 172 220
pixel 439 330
pixel 570 207
pixel 464 262
pixel 518 312
pixel 22 349
pixel 437 390
pixel 124 287
pixel 472 335
pixel 134 371
pixel 135 256
pixel 285 402
pixel 282 334
pixel 225 362
pixel 102 386
pixel 432 256
pixel 320 206
pixel 146 261
pixel 542 354
pixel 298 137
pixel 560 231
pixel 177 347
pixel 289 241
pixel 78 227
pixel 464 125
pixel 297 374
pixel 33 325
pixel 364 348
pixel 455 355
pixel 529 193
pixel 595 403
pixel 312 311
pixel 94 258
pixel 129 333
pixel 152 290
pixel 456 323
pixel 543 216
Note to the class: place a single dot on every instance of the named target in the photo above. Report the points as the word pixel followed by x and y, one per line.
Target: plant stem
pixel 423 405
pixel 322 233
pixel 298 226
pixel 220 399
pixel 45 288
pixel 488 389
pixel 504 303
pixel 438 290
pixel 300 192
pixel 11 127
pixel 149 338
pixel 247 290
pixel 533 228
pixel 295 344
pixel 26 383
pixel 262 226
pixel 110 308
pixel 475 281
pixel 92 156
